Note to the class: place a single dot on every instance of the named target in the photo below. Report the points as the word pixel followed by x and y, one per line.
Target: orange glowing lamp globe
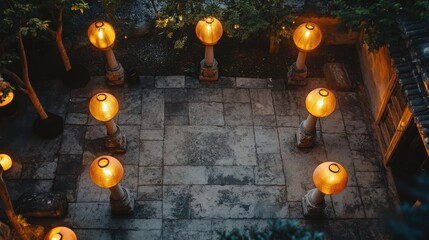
pixel 106 171
pixel 5 161
pixel 330 177
pixel 307 36
pixel 101 35
pixel 103 106
pixel 209 31
pixel 60 233
pixel 6 100
pixel 320 102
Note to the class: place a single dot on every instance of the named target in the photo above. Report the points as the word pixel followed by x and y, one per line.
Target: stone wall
pixel 376 69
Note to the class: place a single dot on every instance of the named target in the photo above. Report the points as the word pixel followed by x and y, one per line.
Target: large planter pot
pixel 77 77
pixel 48 128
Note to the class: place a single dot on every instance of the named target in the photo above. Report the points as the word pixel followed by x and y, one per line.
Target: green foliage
pixel 412 222
pixel 79 6
pixel 241 19
pixel 377 18
pixel 276 230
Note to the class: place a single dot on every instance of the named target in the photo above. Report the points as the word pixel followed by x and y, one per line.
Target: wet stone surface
pixel 203 157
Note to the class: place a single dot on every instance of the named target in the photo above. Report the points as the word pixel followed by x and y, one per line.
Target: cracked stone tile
pixel 370 179
pixel 40 170
pixel 170 81
pixel 288 121
pixel 238 114
pixel 94 234
pixel 152 109
pixel 365 161
pixel 205 95
pixel 185 229
pixel 262 103
pixel 95 132
pixel 243 225
pixel 232 95
pixel 277 83
pixel 360 142
pixel 284 103
pixel 96 215
pixel 22 186
pixel 148 209
pixel 206 114
pixel 150 175
pixel 73 139
pixel 149 193
pixel 78 105
pixel 129 119
pixel 151 134
pixel 356 127
pixel 264 120
pixel 348 204
pixel 269 170
pixel 176 109
pixel 176 120
pixel 185 175
pixel 246 201
pixel 76 118
pixel 299 162
pixel 349 105
pixel 151 153
pixel 176 202
pixel 66 184
pixel 175 95
pixel 131 156
pixel 130 101
pixel 93 149
pixel 251 82
pixel 207 145
pixel 230 175
pixel 267 140
pixel 376 202
pixel 332 125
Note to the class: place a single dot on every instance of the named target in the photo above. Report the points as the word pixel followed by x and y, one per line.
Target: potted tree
pixel 76 75
pixel 14 25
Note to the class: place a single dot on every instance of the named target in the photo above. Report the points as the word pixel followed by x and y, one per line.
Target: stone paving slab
pixel 206 145
pixel 203 157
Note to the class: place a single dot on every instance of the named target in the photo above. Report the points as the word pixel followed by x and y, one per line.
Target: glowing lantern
pixel 106 171
pixel 320 102
pixel 60 233
pixel 307 36
pixel 209 30
pixel 330 178
pixel 101 34
pixel 103 106
pixel 7 99
pixel 5 161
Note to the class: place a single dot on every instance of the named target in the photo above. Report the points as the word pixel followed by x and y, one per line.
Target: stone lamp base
pixel 115 76
pixel 313 204
pixel 209 72
pixel 304 138
pixel 117 142
pixel 123 206
pixel 295 76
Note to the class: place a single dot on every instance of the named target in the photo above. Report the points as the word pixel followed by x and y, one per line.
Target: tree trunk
pixel 8 208
pixel 274 44
pixel 31 93
pixel 59 40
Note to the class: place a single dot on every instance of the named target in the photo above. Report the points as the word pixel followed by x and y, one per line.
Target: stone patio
pixel 202 157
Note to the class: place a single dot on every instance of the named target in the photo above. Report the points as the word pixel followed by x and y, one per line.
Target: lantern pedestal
pixel 121 201
pixel 306 132
pixel 115 73
pixel 208 72
pixel 296 76
pixel 313 203
pixel 115 141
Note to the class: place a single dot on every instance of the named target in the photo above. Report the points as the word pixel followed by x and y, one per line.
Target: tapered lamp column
pixel 319 103
pixel 209 31
pixel 306 37
pixel 107 172
pixel 329 178
pixel 104 107
pixel 102 36
pixel 60 233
